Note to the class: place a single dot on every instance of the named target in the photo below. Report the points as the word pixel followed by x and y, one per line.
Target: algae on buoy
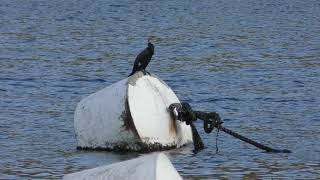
pixel 130 115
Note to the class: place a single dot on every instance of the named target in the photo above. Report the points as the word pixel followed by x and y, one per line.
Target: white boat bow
pixel 156 166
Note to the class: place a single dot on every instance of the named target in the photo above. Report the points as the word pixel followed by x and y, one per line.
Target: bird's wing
pixel 143 55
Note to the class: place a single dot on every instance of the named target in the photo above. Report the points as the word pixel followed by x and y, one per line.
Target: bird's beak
pixel 151 39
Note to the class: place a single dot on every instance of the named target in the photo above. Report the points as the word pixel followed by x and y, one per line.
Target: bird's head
pixel 151 39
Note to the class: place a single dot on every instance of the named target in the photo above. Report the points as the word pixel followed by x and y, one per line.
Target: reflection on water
pixel 254 62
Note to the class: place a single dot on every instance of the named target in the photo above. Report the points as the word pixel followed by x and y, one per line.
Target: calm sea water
pixel 257 63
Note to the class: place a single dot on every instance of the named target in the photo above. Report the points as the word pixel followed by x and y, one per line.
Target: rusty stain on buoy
pixel 128 123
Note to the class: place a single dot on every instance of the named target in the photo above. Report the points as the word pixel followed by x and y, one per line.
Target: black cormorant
pixel 143 59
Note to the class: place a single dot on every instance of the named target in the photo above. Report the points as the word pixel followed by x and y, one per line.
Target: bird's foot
pixel 145 72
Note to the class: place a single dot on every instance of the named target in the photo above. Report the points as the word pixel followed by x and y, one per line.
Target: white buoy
pixel 156 166
pixel 130 115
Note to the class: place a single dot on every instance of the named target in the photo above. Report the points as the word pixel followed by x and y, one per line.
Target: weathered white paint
pixel 99 118
pixel 156 166
pixel 149 99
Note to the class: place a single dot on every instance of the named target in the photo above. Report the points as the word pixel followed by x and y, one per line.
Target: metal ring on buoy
pixel 208 126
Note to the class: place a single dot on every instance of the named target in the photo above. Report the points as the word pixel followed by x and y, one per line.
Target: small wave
pixel 221 99
pixel 16 79
pixel 89 80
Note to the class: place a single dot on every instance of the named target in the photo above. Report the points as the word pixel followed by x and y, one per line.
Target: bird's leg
pixel 144 71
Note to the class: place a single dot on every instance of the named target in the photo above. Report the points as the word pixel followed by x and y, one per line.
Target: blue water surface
pixel 256 63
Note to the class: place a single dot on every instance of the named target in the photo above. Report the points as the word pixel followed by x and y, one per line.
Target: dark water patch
pixel 227 120
pixel 88 80
pixel 221 99
pixel 67 86
pixel 60 19
pixel 22 85
pixel 230 108
pixel 285 101
pixel 292 101
pixel 16 79
pixel 118 5
pixel 299 83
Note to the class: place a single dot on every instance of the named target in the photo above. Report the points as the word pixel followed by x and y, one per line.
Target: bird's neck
pixel 150 46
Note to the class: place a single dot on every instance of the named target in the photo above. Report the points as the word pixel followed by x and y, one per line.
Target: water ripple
pixel 254 62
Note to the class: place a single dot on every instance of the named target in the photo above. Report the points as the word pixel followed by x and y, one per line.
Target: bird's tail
pixel 131 73
pixel 134 70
